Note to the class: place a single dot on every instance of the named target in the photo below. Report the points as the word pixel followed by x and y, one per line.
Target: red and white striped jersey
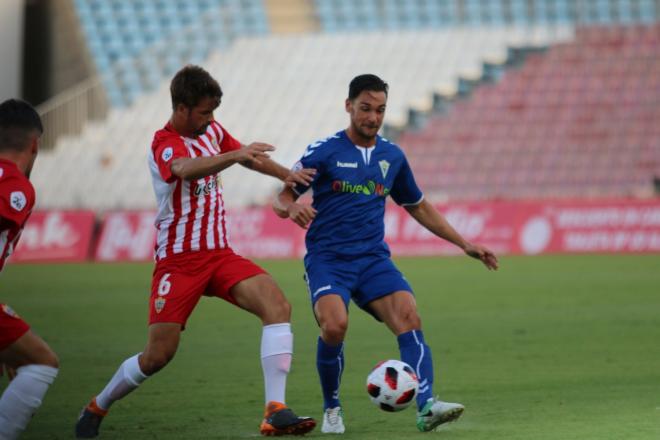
pixel 191 214
pixel 17 199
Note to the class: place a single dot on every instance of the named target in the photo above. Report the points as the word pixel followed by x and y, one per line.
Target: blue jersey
pixel 350 188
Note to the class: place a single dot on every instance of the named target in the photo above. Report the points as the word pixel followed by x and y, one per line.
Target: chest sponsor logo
pixel 367 189
pixel 17 200
pixel 347 164
pixel 384 167
pixel 167 154
pixel 205 188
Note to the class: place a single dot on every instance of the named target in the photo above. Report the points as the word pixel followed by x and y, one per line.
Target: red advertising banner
pixel 260 233
pixel 253 232
pixel 127 236
pixel 588 226
pixel 507 227
pixel 56 236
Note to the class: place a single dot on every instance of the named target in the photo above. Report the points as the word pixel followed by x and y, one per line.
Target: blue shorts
pixel 363 278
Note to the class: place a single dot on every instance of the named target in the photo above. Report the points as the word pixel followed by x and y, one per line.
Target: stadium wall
pixel 507 227
pixel 11 37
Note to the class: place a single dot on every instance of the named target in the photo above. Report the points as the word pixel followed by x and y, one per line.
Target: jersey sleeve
pixel 228 143
pixel 16 200
pixel 165 152
pixel 313 157
pixel 405 190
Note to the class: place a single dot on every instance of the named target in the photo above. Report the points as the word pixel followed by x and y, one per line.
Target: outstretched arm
pixel 285 206
pixel 198 167
pixel 291 178
pixel 431 219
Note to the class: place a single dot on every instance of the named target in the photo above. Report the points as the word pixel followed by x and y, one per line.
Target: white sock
pixel 276 354
pixel 127 378
pixel 22 397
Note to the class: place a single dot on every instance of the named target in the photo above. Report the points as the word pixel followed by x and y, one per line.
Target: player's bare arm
pixel 196 168
pixel 271 168
pixel 286 206
pixel 431 219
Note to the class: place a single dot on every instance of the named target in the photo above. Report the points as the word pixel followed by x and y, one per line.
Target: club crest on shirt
pixel 168 152
pixel 297 166
pixel 17 200
pixel 2 171
pixel 159 304
pixel 384 167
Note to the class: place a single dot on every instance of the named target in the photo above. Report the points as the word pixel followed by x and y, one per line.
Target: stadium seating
pixel 348 15
pixel 580 120
pixel 135 43
pixel 285 90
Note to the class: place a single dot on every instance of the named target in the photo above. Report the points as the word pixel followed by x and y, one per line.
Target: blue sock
pixel 330 364
pixel 417 354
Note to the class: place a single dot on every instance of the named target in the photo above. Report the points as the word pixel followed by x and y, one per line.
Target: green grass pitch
pixel 552 347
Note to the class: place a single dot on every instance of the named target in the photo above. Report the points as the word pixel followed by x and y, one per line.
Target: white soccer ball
pixel 392 385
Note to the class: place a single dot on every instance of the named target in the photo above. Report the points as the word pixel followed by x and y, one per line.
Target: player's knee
pixel 41 354
pixel 154 364
pixel 411 320
pixel 278 310
pixel 334 331
pixel 155 361
pixel 49 358
pixel 283 310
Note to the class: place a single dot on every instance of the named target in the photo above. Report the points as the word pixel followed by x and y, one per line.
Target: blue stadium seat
pixel 600 11
pixel 494 12
pixel 472 12
pixel 647 11
pixel 623 11
pixel 448 12
pixel 518 12
pixel 564 11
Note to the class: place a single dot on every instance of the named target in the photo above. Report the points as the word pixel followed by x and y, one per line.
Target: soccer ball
pixel 392 385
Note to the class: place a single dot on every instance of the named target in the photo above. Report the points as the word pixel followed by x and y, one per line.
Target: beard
pixel 368 132
pixel 201 130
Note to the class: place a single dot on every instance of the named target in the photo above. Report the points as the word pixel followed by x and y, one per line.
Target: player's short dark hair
pixel 364 82
pixel 191 84
pixel 18 122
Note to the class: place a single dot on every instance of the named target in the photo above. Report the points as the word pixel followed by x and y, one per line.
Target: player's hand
pixel 304 176
pixel 482 253
pixel 301 214
pixel 251 154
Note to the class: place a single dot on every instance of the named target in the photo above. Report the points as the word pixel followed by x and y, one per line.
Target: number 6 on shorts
pixel 164 286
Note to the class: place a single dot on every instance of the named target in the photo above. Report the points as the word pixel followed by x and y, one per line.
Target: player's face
pixel 367 112
pixel 200 116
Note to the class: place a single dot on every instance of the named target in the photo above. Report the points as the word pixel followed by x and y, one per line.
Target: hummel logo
pixel 322 289
pixel 347 164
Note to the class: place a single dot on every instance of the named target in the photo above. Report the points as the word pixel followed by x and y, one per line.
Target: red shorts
pixel 181 280
pixel 11 326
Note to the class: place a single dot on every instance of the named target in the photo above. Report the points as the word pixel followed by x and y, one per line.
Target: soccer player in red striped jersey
pixel 194 256
pixel 22 352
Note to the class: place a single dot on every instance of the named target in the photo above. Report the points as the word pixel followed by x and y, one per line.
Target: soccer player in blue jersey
pixel 347 257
